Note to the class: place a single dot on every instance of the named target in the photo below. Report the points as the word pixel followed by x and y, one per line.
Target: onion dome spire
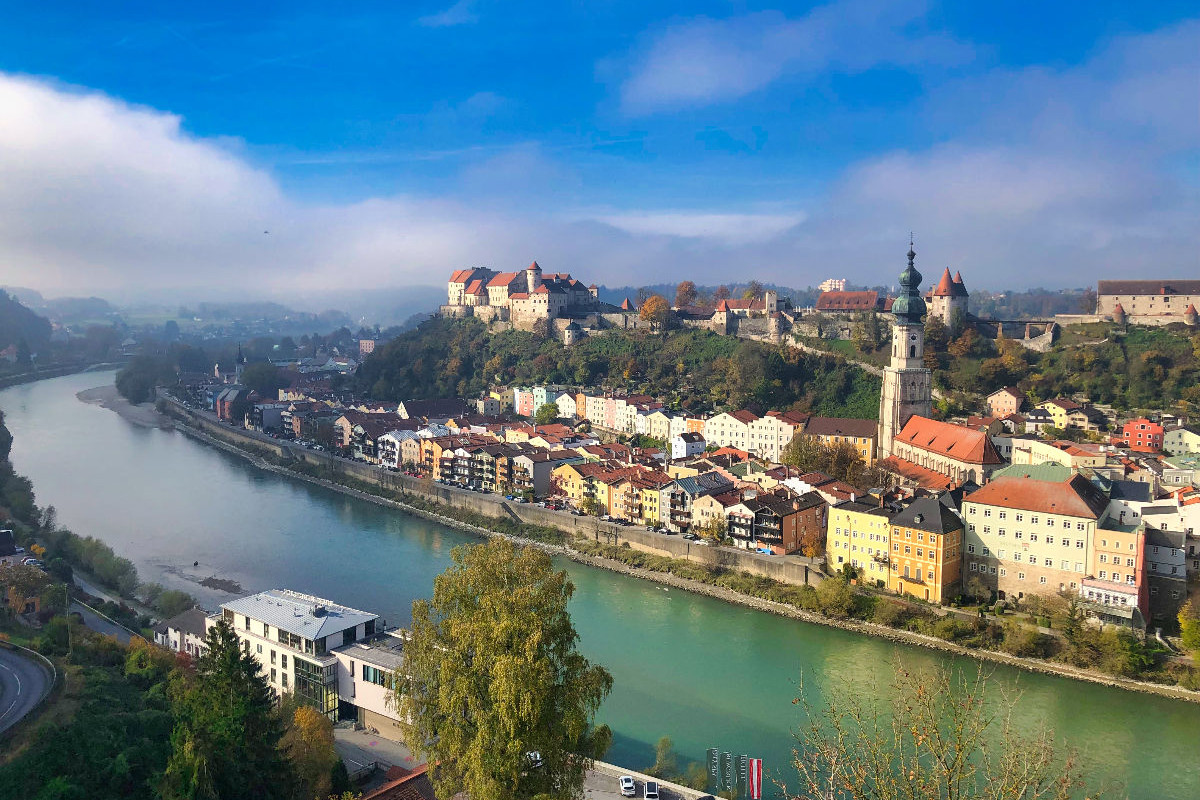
pixel 909 307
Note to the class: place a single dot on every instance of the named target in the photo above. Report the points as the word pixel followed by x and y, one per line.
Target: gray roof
pixel 190 621
pixel 691 436
pixel 294 613
pixel 1135 491
pixel 385 652
pixel 704 483
pixel 928 514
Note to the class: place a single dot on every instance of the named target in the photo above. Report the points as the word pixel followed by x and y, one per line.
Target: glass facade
pixel 316 685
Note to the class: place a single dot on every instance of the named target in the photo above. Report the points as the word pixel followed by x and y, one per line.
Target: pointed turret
pixel 960 288
pixel 1119 314
pixel 1190 316
pixel 626 305
pixel 945 287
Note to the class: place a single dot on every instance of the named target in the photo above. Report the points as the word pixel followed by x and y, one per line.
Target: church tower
pixel 907 384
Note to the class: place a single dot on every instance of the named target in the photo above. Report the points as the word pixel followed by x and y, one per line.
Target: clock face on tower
pixel 912 337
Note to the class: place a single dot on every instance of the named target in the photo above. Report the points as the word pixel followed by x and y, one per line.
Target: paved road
pixel 24 681
pixel 100 624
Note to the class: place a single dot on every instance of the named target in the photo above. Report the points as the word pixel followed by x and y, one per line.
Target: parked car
pixel 766 551
pixel 650 791
pixel 627 786
pixel 691 537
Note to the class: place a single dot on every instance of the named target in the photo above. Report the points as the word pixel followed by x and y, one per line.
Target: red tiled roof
pixel 626 305
pixel 461 275
pixel 476 287
pixel 503 279
pixel 744 415
pixel 741 455
pixel 1076 496
pixel 925 478
pixel 790 417
pixel 848 301
pixel 953 441
pixel 1064 404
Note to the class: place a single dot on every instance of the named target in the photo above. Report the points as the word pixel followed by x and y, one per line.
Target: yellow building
pixel 926 551
pixel 857 534
pixel 1059 410
pixel 862 433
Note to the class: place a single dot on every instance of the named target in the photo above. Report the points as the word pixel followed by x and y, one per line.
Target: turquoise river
pixel 704 672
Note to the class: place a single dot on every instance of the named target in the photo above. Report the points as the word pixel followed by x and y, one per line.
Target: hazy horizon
pixel 222 152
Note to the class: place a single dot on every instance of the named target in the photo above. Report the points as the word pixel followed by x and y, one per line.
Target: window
pixel 259 646
pixel 284 680
pixel 1034 520
pixel 1000 554
pixel 974 567
pixel 1020 517
pixel 970 548
pixel 376 676
pixel 1042 579
pixel 1079 526
pixel 987 512
pixel 1033 537
pixel 1103 558
pixel 273 679
pixel 1103 575
pixel 272 657
pixel 992 570
pixel 1049 522
pixel 1079 544
pixel 1003 572
pixel 1003 515
pixel 247 623
pixel 283 660
pixel 1017 556
pixel 1129 562
pixel 987 552
pixel 987 529
pixel 1049 540
pixel 1020 576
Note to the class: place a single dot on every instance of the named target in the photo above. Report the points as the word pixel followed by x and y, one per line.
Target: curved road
pixel 24 681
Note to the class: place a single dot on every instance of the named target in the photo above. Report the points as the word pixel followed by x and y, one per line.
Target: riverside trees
pixel 941 737
pixel 494 674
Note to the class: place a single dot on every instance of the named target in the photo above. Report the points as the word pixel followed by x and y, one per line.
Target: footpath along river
pixel 704 672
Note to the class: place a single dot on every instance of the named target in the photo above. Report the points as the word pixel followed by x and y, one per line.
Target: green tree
pixel 494 674
pixel 547 413
pixel 263 377
pixel 1189 626
pixel 225 745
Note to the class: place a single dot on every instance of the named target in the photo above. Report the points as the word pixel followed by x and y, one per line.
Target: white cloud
pixel 727 229
pixel 461 13
pixel 703 60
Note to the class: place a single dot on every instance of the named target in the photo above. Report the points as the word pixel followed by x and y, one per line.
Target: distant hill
pixel 18 323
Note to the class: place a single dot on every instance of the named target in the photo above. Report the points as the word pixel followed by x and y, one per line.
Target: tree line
pixel 693 370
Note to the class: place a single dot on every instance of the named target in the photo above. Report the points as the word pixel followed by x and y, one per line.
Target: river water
pixel 706 673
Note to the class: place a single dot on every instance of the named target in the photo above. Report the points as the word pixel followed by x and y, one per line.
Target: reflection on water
pixel 706 673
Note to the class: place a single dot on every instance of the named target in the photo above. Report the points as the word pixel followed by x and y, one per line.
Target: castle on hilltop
pixel 524 298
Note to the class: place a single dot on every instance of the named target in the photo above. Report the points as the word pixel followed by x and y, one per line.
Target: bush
pixel 835 598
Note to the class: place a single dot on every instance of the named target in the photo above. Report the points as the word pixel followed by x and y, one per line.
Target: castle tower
pixel 948 300
pixel 1190 317
pixel 907 384
pixel 533 277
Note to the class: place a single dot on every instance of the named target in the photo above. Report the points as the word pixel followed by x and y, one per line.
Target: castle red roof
pixel 626 305
pixel 945 287
pixel 848 301
pixel 503 279
pixel 1076 496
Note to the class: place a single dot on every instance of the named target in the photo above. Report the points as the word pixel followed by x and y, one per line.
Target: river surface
pixel 704 672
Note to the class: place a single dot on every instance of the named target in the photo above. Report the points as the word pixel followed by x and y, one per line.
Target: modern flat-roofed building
pixel 293 637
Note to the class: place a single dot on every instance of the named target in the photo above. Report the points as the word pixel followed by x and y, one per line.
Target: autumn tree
pixel 308 743
pixel 685 294
pixel 655 310
pixel 754 291
pixel 720 293
pixel 21 583
pixel 225 745
pixel 941 737
pixel 494 674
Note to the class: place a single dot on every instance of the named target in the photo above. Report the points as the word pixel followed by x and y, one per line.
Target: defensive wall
pixel 787 569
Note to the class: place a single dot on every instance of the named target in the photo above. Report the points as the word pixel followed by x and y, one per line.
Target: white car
pixel 650 792
pixel 628 787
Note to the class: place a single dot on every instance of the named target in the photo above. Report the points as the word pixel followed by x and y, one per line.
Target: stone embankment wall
pixel 787 569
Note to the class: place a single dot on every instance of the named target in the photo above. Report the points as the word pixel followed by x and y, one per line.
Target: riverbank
pixel 717 592
pixel 108 397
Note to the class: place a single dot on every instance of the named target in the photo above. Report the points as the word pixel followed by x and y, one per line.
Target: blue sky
pixel 148 147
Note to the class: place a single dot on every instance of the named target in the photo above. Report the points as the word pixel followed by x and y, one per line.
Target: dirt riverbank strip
pixel 108 397
pixel 720 593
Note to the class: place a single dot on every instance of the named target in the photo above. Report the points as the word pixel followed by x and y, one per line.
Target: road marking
pixel 18 697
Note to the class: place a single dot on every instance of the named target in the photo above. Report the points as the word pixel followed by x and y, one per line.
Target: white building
pixel 686 445
pixel 311 647
pixel 730 429
pixel 183 633
pixel 566 405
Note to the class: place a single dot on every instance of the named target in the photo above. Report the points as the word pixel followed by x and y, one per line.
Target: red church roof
pixel 953 441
